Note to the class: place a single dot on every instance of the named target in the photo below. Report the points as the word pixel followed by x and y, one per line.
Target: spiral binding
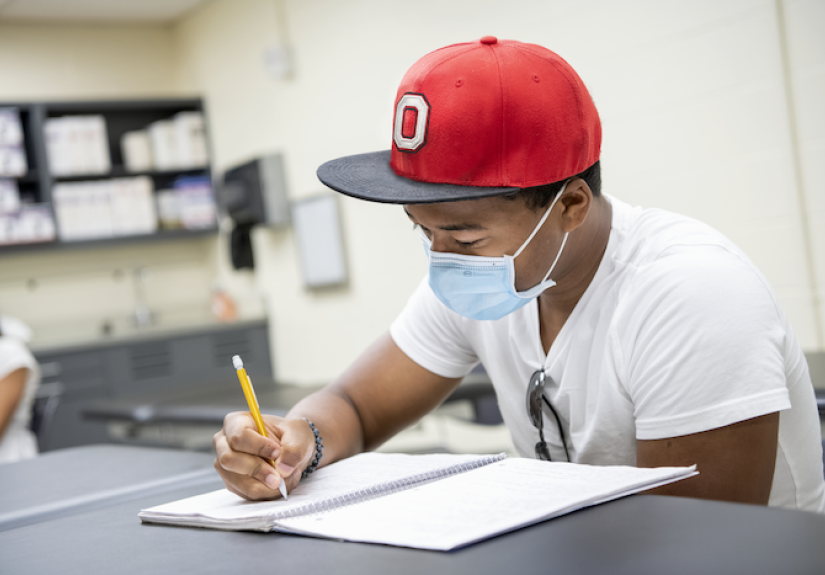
pixel 386 488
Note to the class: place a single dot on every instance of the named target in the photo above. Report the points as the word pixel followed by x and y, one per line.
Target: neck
pixel 579 262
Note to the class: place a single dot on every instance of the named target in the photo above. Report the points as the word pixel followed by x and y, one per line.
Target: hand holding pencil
pixel 252 402
pixel 259 456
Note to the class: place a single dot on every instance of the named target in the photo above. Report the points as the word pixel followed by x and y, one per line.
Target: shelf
pixel 28 177
pixel 121 116
pixel 121 172
pixel 162 236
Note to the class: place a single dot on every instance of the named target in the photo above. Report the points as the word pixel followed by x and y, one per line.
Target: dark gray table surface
pixel 61 482
pixel 637 535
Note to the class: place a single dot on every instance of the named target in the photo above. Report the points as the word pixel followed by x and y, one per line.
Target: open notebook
pixel 438 501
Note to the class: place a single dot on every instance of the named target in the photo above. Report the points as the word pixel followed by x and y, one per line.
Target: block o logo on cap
pixel 412 117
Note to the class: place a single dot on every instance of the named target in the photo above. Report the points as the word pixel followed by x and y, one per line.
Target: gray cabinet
pixel 159 365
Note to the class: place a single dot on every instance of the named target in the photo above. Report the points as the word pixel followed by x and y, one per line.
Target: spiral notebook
pixel 437 501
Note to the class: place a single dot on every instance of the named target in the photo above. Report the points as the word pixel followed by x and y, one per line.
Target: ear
pixel 576 202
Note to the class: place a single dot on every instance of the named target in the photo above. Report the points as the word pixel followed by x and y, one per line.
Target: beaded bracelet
pixel 319 450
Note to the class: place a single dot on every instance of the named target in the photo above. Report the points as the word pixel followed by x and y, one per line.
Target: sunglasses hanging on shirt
pixel 535 396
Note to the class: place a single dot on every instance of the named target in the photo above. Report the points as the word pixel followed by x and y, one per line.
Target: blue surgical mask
pixel 484 288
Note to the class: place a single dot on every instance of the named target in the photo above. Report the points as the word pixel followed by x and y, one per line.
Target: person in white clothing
pixel 613 335
pixel 19 379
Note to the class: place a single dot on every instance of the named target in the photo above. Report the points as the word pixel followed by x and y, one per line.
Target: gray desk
pixel 635 536
pixel 62 482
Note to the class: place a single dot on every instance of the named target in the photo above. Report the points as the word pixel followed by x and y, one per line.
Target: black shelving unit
pixel 121 116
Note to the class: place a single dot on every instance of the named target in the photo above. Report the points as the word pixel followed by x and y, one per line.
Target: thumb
pixel 297 447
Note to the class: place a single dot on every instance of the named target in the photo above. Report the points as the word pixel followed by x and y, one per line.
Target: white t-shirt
pixel 18 442
pixel 677 333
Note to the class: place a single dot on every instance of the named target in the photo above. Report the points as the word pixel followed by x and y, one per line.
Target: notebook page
pixel 337 480
pixel 484 502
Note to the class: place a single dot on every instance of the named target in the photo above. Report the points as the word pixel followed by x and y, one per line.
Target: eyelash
pixel 461 244
pixel 466 244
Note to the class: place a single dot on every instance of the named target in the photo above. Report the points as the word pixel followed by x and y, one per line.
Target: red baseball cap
pixel 475 120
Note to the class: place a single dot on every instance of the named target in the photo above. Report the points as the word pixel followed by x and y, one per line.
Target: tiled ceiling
pixel 96 10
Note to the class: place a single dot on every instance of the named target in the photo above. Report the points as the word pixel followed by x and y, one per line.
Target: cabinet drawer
pixel 75 371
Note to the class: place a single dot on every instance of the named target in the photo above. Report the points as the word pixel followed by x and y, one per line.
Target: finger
pixel 235 466
pixel 242 435
pixel 246 487
pixel 297 447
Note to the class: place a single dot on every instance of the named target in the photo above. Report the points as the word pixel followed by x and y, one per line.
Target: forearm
pixel 11 392
pixel 380 394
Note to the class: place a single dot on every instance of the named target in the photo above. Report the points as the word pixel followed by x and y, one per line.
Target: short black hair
pixel 540 196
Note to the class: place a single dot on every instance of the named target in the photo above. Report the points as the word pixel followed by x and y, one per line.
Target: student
pixel 19 378
pixel 612 334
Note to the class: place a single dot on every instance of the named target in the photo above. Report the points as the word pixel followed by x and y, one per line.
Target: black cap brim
pixel 370 177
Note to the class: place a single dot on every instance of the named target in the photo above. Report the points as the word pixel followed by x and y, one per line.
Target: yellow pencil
pixel 252 402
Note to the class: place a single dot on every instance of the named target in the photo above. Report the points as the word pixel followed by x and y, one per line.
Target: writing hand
pixel 242 454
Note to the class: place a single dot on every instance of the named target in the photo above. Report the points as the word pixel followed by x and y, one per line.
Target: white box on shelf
pixel 196 202
pixel 33 223
pixel 12 153
pixel 39 221
pixel 168 208
pixel 13 161
pixel 164 144
pixel 83 210
pixel 190 138
pixel 136 148
pixel 105 208
pixel 96 158
pixel 133 206
pixel 98 215
pixel 77 145
pixel 11 129
pixel 9 197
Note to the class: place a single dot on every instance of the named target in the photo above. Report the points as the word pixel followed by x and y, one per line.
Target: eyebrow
pixel 455 227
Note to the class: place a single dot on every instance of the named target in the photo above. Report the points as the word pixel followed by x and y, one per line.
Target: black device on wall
pixel 253 193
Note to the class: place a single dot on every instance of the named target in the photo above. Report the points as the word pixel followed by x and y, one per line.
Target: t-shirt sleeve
pixel 701 339
pixel 433 336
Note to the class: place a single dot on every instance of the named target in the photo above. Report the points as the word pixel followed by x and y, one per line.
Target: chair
pixel 46 400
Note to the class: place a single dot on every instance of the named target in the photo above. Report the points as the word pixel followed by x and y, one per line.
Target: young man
pixel 613 335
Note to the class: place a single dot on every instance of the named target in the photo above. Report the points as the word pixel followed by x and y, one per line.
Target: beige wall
pixel 69 295
pixel 63 61
pixel 805 68
pixel 692 94
pixel 702 115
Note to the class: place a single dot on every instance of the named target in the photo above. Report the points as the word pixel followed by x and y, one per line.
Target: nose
pixel 436 241
pixel 438 244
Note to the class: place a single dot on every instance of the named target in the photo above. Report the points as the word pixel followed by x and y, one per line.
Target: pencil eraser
pixel 237 362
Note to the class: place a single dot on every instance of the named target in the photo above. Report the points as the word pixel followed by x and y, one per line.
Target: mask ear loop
pixel 558 255
pixel 541 223
pixel 538 227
